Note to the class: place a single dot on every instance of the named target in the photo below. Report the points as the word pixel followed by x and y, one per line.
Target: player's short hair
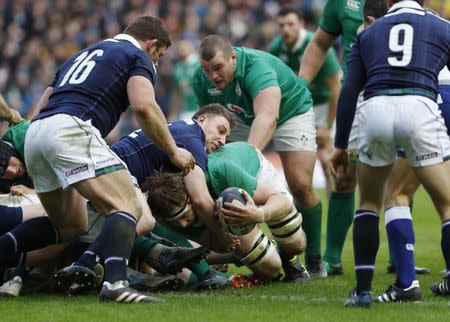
pixel 418 1
pixel 165 193
pixel 216 109
pixel 147 27
pixel 288 9
pixel 212 44
pixel 374 8
pixel 6 152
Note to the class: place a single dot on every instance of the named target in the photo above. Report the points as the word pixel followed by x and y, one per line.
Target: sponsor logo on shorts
pixel 410 247
pixel 76 170
pixel 427 156
pixel 214 92
pixel 109 160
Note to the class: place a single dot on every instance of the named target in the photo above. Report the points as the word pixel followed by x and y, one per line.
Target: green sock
pixel 142 246
pixel 341 210
pixel 312 225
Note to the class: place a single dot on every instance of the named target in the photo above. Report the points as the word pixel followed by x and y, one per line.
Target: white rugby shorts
pixel 409 122
pixel 61 150
pixel 296 134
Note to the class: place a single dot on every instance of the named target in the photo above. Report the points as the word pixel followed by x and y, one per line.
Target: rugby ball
pixel 232 195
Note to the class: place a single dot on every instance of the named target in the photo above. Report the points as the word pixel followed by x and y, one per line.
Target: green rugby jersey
pixel 16 136
pixel 255 71
pixel 292 57
pixel 343 17
pixel 182 74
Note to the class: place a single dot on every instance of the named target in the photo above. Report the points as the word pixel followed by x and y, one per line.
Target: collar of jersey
pixel 128 38
pixel 300 41
pixel 405 4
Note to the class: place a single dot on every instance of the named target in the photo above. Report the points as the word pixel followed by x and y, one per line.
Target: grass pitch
pixel 316 301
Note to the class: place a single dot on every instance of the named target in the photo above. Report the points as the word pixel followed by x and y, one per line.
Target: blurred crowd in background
pixel 36 36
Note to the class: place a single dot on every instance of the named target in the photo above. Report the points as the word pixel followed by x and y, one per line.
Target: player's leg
pixel 376 153
pixel 341 209
pixel 400 232
pixel 324 142
pixel 287 231
pixel 258 253
pixel 436 180
pixel 295 141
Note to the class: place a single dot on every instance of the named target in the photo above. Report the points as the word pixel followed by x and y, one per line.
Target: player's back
pixel 242 154
pixel 143 157
pixel 404 51
pixel 92 84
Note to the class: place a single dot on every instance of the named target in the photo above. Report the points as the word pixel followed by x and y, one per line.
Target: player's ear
pixel 150 43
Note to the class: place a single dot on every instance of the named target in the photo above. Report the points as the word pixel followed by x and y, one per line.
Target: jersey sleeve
pixel 272 48
pixel 330 20
pixel 197 148
pixel 197 86
pixel 143 66
pixel 223 174
pixel 353 84
pixel 259 77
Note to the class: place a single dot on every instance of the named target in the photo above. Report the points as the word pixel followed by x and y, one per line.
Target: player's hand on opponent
pixel 15 117
pixel 338 162
pixel 184 160
pixel 239 214
pixel 20 190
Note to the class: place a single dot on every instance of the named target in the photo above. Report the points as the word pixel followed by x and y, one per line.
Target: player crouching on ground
pixel 168 198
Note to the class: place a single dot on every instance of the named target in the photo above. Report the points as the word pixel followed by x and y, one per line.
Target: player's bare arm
pixel 324 133
pixel 42 101
pixel 8 114
pixel 266 106
pixel 274 206
pixel 315 54
pixel 152 121
pixel 200 198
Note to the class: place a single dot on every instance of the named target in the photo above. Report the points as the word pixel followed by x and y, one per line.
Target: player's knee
pixel 303 192
pixel 345 184
pixel 395 200
pixel 288 232
pixel 263 258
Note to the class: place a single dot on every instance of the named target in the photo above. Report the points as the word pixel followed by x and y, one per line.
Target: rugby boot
pixel 75 279
pixel 294 271
pixel 358 300
pixel 155 283
pixel 441 288
pixel 120 292
pixel 397 294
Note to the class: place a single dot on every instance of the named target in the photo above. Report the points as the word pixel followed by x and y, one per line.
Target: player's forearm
pixel 315 53
pixel 335 87
pixel 276 208
pixel 154 124
pixel 42 101
pixel 5 110
pixel 311 62
pixel 262 130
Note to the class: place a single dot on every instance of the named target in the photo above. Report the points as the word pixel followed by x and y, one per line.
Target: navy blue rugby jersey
pixel 92 84
pixel 401 53
pixel 143 157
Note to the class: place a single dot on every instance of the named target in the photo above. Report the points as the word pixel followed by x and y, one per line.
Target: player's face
pixel 220 70
pixel 16 169
pixel 216 129
pixel 155 52
pixel 289 26
pixel 186 219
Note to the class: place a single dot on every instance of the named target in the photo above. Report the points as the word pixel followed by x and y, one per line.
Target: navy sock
pixel 366 240
pixel 114 245
pixel 10 218
pixel 400 232
pixel 445 244
pixel 33 234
